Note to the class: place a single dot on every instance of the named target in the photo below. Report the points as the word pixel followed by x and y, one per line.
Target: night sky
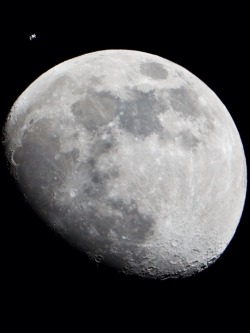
pixel 39 269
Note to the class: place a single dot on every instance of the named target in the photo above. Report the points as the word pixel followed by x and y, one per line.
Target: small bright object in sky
pixel 33 36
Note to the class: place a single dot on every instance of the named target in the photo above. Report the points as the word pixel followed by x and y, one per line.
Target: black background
pixel 40 271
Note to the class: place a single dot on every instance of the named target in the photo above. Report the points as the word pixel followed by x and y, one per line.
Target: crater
pixel 17 155
pixel 154 70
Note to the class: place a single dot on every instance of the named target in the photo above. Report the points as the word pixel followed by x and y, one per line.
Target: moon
pixel 132 159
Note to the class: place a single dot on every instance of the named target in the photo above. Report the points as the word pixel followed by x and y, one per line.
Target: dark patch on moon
pixel 133 225
pixel 75 154
pixel 188 139
pixel 154 70
pixel 37 154
pixel 100 177
pixel 94 179
pixel 125 221
pixel 56 88
pixel 102 146
pixel 95 80
pixel 95 110
pixel 59 83
pixel 184 101
pixel 139 115
pixel 185 139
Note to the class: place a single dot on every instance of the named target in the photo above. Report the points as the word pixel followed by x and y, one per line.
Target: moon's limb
pixel 132 159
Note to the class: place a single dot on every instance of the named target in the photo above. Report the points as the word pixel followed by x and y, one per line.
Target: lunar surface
pixel 132 159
